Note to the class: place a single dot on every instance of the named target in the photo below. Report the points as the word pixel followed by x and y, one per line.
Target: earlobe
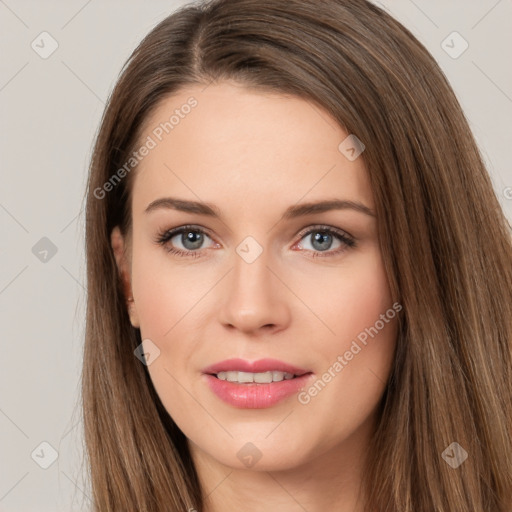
pixel 117 243
pixel 132 312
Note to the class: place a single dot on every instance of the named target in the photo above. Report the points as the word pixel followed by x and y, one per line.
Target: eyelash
pixel 164 237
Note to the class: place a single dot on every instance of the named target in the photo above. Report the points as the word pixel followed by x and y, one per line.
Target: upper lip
pixel 259 366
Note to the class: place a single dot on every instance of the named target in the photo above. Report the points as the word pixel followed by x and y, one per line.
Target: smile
pixel 246 394
pixel 259 378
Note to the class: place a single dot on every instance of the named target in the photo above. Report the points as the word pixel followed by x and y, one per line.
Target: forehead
pixel 238 147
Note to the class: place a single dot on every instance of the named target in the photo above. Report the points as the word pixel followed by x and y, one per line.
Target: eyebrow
pixel 292 212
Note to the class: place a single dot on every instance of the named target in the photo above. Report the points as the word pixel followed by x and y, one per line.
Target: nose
pixel 253 299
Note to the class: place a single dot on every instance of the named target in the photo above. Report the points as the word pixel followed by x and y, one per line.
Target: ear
pixel 117 242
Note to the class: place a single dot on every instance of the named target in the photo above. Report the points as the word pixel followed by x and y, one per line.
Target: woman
pixel 299 276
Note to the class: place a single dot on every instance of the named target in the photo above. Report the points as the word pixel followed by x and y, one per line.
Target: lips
pixel 260 366
pixel 254 395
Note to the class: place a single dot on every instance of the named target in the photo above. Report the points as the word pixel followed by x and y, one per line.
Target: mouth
pixel 240 377
pixel 255 385
pixel 243 370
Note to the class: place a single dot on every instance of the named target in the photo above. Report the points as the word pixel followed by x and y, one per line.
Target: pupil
pixel 322 238
pixel 193 238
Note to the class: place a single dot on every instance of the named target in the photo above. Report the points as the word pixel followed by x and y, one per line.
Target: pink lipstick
pixel 255 384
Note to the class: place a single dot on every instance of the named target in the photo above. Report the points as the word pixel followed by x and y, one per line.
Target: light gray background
pixel 50 111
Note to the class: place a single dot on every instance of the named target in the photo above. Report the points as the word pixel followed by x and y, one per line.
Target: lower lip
pixel 253 395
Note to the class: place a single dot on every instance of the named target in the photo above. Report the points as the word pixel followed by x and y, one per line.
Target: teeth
pixel 259 378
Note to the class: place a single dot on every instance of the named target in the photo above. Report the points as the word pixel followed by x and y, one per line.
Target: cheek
pixel 165 292
pixel 350 389
pixel 357 355
pixel 364 321
pixel 167 300
pixel 350 298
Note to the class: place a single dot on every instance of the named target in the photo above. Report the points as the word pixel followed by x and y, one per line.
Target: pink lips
pixel 262 365
pixel 254 395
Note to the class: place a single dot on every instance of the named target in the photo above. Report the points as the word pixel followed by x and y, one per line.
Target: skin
pixel 253 154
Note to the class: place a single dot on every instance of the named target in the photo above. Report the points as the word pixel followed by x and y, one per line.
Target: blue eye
pixel 322 238
pixel 192 238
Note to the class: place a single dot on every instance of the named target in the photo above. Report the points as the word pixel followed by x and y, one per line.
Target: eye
pixel 191 239
pixel 322 238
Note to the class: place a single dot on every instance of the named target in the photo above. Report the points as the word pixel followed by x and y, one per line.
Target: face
pixel 255 286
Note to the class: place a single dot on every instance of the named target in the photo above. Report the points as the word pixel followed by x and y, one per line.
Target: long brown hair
pixel 445 241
